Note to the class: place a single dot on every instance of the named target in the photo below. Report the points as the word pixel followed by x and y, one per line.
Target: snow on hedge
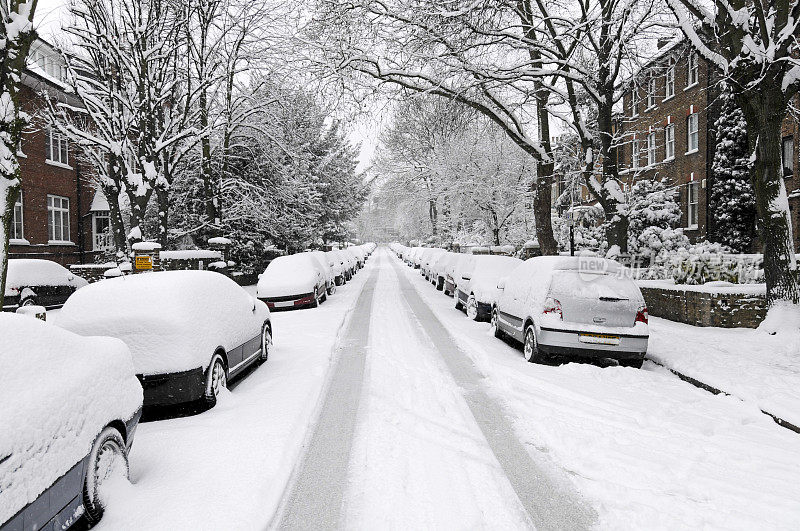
pixel 59 391
pixel 189 254
pixel 172 320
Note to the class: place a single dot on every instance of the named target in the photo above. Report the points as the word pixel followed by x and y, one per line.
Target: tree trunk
pixel 206 169
pixel 138 208
pixel 434 214
pixel 542 203
pixel 162 198
pixel 764 119
pixel 11 194
pixel 618 222
pixel 115 220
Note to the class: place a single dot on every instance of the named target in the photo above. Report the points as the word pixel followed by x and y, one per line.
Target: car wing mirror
pixel 501 284
pixel 253 304
pixel 70 277
pixel 465 277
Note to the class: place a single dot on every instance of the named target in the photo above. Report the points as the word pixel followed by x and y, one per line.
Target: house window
pixel 692 76
pixel 58 218
pixel 634 103
pixel 788 156
pixel 17 232
pixel 669 81
pixel 691 133
pixel 56 148
pixel 651 93
pixel 651 149
pixel 691 211
pixel 635 155
pixel 101 225
pixel 669 141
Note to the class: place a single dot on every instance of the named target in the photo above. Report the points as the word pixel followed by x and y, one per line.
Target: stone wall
pixel 702 308
pixel 91 272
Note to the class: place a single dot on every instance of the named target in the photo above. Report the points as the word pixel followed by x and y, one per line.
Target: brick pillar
pixel 146 257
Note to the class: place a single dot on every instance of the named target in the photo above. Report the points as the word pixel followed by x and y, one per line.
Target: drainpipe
pixel 81 252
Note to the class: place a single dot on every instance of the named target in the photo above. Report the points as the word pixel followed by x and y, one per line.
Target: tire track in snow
pixel 315 500
pixel 549 503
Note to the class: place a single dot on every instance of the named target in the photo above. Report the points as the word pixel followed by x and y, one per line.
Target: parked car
pixel 70 407
pixel 439 268
pixel 360 254
pixel 338 265
pixel 455 270
pixel 352 258
pixel 476 290
pixel 573 306
pixel 429 256
pixel 33 282
pixel 292 281
pixel 327 270
pixel 190 332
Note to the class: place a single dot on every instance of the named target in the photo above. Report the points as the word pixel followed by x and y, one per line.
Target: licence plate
pixel 284 304
pixel 599 339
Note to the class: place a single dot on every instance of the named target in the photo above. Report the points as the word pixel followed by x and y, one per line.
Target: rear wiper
pixel 613 299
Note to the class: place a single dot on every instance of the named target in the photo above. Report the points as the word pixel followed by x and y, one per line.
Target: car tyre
pixel 459 305
pixel 30 300
pixel 332 289
pixel 266 343
pixel 530 346
pixel 109 455
pixel 440 284
pixel 633 363
pixel 216 379
pixel 494 322
pixel 472 308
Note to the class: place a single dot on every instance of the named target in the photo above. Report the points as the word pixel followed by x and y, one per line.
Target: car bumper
pixel 568 343
pixel 173 388
pixel 278 304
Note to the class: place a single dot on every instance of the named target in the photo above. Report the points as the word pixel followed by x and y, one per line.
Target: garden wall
pixel 725 306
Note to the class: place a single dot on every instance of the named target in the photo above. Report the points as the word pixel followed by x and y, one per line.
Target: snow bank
pixel 146 246
pixel 171 320
pixel 25 272
pixel 709 287
pixel 783 317
pixel 202 254
pixel 219 241
pixel 59 391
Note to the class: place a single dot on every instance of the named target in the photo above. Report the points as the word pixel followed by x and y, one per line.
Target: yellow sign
pixel 143 262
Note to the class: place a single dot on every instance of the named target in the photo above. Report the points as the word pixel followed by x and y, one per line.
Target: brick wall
pixel 684 167
pixel 696 308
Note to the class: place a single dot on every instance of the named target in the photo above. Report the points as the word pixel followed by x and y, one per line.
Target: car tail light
pixel 552 305
pixel 641 315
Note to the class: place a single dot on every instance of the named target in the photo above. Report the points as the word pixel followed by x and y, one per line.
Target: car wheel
pixel 266 343
pixel 495 325
pixel 530 348
pixel 28 301
pixel 472 308
pixel 324 296
pixel 108 458
pixel 216 379
pixel 440 284
pixel 332 289
pixel 459 306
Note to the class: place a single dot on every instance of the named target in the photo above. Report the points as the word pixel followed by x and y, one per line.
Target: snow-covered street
pixel 387 408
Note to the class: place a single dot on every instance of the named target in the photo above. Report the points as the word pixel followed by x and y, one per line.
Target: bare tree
pixel 753 44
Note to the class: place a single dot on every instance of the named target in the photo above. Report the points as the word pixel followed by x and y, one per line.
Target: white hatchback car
pixel 573 306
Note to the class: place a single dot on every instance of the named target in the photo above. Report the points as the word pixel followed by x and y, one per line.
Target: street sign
pixel 143 262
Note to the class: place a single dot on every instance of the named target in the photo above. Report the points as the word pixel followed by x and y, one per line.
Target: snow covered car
pixel 337 265
pixel 352 259
pixel 189 331
pixel 292 281
pixel 428 257
pixel 573 306
pixel 70 407
pixel 455 270
pixel 439 268
pixel 476 290
pixel 32 282
pixel 327 270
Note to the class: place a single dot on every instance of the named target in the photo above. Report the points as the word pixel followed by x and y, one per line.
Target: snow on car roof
pixel 31 272
pixel 171 320
pixel 59 391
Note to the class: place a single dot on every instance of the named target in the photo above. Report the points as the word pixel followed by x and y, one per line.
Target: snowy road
pixel 387 408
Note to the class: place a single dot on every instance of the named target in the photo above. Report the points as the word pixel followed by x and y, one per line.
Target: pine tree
pixel 733 204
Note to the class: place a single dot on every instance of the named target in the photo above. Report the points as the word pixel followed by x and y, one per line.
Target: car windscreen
pixel 584 285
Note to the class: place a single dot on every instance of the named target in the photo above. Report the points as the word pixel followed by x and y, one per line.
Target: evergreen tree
pixel 733 204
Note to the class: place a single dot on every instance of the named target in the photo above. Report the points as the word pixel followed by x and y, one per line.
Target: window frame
pixel 669 81
pixel 634 102
pixel 651 93
pixel 692 205
pixel 635 154
pixel 18 204
pixel 669 142
pixel 689 133
pixel 651 148
pixel 63 214
pixel 54 137
pixel 788 139
pixel 101 241
pixel 693 71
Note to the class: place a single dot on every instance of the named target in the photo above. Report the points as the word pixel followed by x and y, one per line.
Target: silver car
pixel 573 307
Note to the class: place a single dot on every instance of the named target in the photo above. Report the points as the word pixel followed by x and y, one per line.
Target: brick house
pixel 57 216
pixel 667 130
